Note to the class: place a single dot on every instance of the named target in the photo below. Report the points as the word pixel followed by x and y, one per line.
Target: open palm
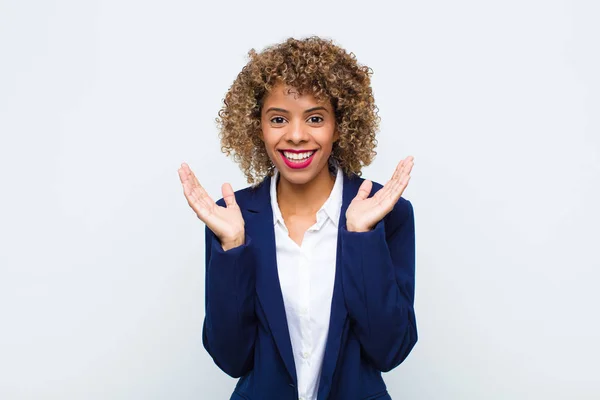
pixel 364 212
pixel 226 222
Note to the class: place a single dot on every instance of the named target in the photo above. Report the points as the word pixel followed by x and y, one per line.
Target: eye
pixel 277 120
pixel 315 119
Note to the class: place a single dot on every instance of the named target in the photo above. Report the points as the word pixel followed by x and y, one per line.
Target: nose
pixel 297 132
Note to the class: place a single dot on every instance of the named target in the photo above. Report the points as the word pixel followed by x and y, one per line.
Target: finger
pixel 389 194
pixel 408 164
pixel 198 190
pixel 401 188
pixel 398 169
pixel 194 181
pixel 364 190
pixel 185 169
pixel 186 175
pixel 196 196
pixel 193 190
pixel 183 172
pixel 388 186
pixel 397 186
pixel 400 181
pixel 185 178
pixel 406 168
pixel 228 195
pixel 403 166
pixel 384 191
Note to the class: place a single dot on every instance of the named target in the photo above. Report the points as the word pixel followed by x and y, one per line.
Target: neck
pixel 304 199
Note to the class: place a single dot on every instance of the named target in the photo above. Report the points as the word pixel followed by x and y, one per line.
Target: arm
pixel 230 325
pixel 378 276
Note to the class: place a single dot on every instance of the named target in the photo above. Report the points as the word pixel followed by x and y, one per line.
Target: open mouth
pixel 297 159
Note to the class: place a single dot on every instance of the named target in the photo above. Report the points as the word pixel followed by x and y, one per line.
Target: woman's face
pixel 298 133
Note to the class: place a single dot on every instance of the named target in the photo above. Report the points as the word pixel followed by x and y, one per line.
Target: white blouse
pixel 307 274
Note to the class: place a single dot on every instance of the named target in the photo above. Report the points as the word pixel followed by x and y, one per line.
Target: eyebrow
pixel 283 110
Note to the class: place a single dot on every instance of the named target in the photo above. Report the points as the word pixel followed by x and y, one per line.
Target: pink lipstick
pixel 297 164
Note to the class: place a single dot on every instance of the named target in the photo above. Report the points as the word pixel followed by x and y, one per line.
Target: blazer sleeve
pixel 230 323
pixel 378 276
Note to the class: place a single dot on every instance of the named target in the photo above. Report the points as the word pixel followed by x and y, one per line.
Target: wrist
pixel 231 243
pixel 351 227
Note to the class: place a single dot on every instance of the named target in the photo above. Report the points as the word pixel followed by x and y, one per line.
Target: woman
pixel 310 272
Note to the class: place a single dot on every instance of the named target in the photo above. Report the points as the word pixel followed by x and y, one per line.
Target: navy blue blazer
pixel 372 326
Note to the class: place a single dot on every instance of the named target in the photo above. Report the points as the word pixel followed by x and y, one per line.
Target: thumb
pixel 364 190
pixel 228 195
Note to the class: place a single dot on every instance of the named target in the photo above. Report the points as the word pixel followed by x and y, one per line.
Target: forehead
pixel 290 97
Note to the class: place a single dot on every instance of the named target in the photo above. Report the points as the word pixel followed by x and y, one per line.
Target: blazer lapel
pixel 260 227
pixel 339 312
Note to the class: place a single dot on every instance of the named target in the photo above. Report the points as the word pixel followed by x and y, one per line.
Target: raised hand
pixel 227 222
pixel 365 212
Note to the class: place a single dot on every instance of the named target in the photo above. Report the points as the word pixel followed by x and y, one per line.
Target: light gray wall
pixel 102 261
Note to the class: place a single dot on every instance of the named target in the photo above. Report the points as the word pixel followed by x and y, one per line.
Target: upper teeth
pixel 297 156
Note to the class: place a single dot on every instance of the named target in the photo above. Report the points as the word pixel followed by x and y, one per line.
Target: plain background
pixel 102 260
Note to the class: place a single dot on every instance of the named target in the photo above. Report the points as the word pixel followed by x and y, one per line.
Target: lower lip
pixel 298 165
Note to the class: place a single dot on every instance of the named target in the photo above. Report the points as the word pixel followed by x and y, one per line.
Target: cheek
pixel 268 141
pixel 327 138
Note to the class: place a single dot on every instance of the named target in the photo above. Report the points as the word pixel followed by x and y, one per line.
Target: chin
pixel 297 178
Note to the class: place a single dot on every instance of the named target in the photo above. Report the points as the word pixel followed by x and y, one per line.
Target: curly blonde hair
pixel 311 65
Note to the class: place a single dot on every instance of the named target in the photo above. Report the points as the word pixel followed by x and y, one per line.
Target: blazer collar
pixel 260 197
